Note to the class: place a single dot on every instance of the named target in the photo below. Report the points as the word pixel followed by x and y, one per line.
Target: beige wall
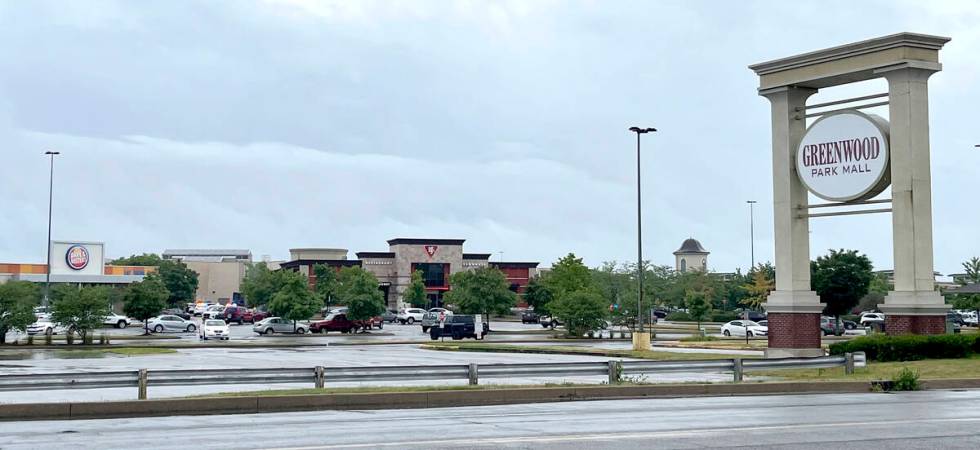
pixel 406 254
pixel 217 280
pixel 694 261
pixel 317 253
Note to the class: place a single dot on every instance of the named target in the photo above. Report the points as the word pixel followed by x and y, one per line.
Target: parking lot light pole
pixel 47 271
pixel 639 340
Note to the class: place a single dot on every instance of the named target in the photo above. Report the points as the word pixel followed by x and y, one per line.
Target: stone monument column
pixel 914 306
pixel 794 309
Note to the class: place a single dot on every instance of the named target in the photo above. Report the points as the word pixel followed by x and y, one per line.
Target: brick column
pixel 898 324
pixel 794 330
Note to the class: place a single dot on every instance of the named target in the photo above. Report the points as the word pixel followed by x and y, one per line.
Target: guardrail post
pixel 474 374
pixel 848 363
pixel 141 382
pixel 318 377
pixel 737 370
pixel 615 370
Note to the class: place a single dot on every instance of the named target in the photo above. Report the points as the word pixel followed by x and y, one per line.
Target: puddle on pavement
pixel 33 355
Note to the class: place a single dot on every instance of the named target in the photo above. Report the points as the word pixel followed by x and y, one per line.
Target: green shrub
pixel 699 338
pixel 723 316
pixel 906 380
pixel 679 316
pixel 885 348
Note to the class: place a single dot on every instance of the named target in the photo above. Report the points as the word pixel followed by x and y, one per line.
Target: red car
pixel 334 322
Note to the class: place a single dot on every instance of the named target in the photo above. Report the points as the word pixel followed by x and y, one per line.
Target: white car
pixel 45 326
pixel 410 315
pixel 870 318
pixel 215 329
pixel 199 308
pixel 116 320
pixel 170 323
pixel 212 312
pixel 744 328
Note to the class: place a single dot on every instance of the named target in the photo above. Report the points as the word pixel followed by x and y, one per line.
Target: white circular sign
pixel 844 157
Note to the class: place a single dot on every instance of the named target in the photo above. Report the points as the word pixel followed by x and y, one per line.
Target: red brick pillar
pixel 794 330
pixel 896 324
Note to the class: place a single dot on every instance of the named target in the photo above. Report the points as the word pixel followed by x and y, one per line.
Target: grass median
pixel 572 350
pixel 933 369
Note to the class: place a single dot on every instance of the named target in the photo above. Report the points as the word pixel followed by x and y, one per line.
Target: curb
pixel 427 399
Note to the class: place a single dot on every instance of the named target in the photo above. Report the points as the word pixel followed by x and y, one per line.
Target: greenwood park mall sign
pixel 843 157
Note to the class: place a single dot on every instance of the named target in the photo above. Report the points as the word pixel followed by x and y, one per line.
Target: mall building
pixel 76 262
pixel 437 259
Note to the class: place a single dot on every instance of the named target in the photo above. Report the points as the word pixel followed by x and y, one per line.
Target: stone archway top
pixel 850 63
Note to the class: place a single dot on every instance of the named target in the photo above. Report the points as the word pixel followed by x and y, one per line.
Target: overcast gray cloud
pixel 276 124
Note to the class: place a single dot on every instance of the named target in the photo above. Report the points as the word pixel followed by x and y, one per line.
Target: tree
pixel 146 259
pixel 326 283
pixel 841 279
pixel 481 291
pixel 358 290
pixel 537 294
pixel 294 300
pixel 698 306
pixel 181 282
pixel 569 275
pixel 17 302
pixel 145 299
pixel 877 290
pixel 80 309
pixel 261 284
pixel 581 311
pixel 758 290
pixel 969 301
pixel 415 292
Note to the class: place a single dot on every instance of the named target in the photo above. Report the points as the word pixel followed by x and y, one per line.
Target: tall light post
pixel 47 271
pixel 639 243
pixel 752 230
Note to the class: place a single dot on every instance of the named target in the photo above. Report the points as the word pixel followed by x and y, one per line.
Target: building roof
pixel 691 246
pixel 375 254
pixel 310 262
pixel 84 279
pixel 479 256
pixel 419 241
pixel 973 288
pixel 207 252
pixel 513 265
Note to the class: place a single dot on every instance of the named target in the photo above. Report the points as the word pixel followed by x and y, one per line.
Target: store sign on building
pixel 77 257
pixel 843 157
pixel 431 250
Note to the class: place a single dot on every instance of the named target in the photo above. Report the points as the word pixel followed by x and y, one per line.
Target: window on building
pixel 683 265
pixel 433 274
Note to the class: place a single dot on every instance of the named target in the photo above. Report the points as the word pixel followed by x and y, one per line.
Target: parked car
pixel 45 326
pixel 334 322
pixel 744 328
pixel 116 320
pixel 530 317
pixel 176 312
pixel 237 314
pixel 868 319
pixel 272 325
pixel 660 313
pixel 460 326
pixel 212 312
pixel 548 322
pixel 389 316
pixel 753 316
pixel 431 317
pixel 170 322
pixel 410 315
pixel 829 328
pixel 258 315
pixel 200 307
pixel 215 329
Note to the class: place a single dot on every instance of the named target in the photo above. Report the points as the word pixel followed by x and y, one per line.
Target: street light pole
pixel 752 230
pixel 639 231
pixel 47 271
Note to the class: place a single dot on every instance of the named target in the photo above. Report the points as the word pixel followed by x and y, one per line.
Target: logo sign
pixel 431 250
pixel 76 257
pixel 843 157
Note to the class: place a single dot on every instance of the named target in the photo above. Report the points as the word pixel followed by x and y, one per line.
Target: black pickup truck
pixel 459 326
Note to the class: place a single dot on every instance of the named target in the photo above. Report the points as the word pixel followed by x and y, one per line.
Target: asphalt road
pixel 915 420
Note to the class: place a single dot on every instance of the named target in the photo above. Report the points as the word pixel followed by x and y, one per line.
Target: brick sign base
pixel 896 324
pixel 794 330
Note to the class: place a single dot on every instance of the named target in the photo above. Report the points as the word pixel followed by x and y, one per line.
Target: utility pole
pixel 639 234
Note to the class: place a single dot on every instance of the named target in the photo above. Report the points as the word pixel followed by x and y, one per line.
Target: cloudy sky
pixel 275 124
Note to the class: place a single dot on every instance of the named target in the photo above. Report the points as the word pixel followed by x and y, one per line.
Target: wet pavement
pixel 910 420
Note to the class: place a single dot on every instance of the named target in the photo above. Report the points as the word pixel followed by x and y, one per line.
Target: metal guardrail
pixel 321 376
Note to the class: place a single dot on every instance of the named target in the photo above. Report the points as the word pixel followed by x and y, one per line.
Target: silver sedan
pixel 274 325
pixel 170 323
